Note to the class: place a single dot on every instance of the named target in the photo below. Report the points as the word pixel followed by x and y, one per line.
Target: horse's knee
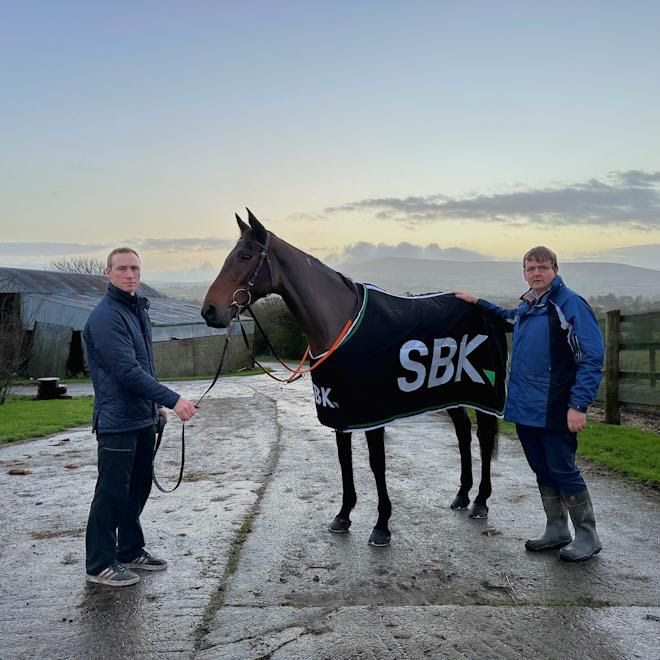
pixel 462 425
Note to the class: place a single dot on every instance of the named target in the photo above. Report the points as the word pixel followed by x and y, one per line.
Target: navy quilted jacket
pixel 556 357
pixel 119 354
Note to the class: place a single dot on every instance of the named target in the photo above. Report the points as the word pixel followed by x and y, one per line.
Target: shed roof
pixel 162 311
pixel 27 280
pixel 67 299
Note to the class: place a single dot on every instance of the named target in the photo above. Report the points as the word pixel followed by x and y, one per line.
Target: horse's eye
pixel 245 256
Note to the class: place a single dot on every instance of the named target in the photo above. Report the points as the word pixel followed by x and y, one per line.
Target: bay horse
pixel 322 300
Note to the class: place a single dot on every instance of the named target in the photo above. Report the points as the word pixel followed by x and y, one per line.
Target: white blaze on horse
pixel 329 306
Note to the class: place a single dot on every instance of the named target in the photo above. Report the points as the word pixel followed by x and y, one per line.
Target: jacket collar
pixel 132 302
pixel 533 300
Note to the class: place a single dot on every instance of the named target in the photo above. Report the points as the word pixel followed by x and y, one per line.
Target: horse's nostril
pixel 208 312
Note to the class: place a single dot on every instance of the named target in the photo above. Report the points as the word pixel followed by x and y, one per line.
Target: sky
pixel 453 130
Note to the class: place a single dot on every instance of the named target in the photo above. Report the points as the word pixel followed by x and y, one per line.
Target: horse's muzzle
pixel 216 319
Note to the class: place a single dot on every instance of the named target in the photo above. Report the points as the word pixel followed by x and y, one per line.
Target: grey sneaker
pixel 144 561
pixel 114 576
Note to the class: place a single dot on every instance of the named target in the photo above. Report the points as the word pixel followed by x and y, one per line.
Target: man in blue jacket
pixel 556 368
pixel 128 400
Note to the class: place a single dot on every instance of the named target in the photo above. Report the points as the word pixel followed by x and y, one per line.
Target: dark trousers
pixel 114 532
pixel 551 455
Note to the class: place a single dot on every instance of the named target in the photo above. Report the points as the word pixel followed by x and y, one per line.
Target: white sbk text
pixel 442 368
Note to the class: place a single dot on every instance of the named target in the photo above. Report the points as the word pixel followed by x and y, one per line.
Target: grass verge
pixel 23 417
pixel 624 449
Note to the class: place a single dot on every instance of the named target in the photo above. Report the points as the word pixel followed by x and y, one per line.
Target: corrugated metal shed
pixel 170 318
pixel 68 298
pixel 55 306
pixel 25 280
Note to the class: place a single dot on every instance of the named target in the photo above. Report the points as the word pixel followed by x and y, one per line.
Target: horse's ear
pixel 260 232
pixel 241 225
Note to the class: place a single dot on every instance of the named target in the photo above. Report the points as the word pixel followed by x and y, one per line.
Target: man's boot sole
pixel 545 548
pixel 112 583
pixel 144 567
pixel 577 559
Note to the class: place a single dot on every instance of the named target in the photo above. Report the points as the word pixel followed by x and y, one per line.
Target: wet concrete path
pixel 254 573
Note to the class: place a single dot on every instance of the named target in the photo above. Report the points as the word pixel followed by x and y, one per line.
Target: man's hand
pixel 467 297
pixel 184 409
pixel 576 420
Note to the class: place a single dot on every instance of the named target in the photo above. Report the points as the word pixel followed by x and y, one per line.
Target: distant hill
pixel 500 279
pixel 189 291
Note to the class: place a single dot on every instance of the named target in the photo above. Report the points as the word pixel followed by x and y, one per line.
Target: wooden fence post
pixel 612 330
pixel 652 366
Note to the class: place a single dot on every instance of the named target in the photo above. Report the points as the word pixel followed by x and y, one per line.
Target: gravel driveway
pixel 254 574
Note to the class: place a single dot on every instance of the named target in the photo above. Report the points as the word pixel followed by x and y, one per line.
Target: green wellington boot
pixel 557 533
pixel 586 543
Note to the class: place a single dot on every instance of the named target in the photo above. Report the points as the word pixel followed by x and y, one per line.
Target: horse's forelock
pixel 248 237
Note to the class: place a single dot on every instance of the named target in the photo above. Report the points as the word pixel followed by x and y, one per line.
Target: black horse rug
pixel 404 356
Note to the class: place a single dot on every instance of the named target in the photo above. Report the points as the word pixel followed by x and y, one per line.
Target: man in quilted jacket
pixel 128 400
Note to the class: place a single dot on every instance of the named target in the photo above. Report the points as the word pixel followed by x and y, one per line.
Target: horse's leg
pixel 487 434
pixel 342 520
pixel 463 430
pixel 380 536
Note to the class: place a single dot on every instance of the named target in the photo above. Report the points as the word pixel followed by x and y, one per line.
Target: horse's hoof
pixel 379 538
pixel 479 511
pixel 460 502
pixel 339 525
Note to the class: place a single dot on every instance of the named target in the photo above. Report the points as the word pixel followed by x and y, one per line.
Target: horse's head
pixel 244 277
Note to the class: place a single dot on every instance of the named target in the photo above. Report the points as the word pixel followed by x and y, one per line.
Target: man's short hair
pixel 541 253
pixel 120 250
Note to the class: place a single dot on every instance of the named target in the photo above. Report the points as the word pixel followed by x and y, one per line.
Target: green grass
pixel 23 417
pixel 625 449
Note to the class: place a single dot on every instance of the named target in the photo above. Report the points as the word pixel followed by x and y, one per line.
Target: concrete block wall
pixel 200 356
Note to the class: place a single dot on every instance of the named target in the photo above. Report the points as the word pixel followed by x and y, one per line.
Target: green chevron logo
pixel 490 375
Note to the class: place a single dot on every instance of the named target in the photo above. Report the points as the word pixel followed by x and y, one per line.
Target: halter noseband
pixel 263 257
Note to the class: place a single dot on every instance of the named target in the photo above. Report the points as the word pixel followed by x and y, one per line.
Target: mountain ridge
pixel 500 278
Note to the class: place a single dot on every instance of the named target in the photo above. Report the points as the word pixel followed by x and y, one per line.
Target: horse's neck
pixel 317 296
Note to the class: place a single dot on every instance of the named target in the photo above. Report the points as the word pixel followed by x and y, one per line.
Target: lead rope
pixel 297 372
pixel 160 425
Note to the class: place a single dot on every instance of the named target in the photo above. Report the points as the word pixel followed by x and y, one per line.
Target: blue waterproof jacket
pixel 119 354
pixel 556 357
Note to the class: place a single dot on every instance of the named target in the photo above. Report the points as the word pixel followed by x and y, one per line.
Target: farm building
pixel 53 307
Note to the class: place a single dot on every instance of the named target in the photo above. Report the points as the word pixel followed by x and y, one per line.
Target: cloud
pixel 171 245
pixel 363 251
pixel 45 250
pixel 303 216
pixel 628 199
pixel 205 272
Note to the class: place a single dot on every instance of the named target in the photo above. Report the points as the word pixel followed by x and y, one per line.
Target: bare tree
pixel 14 343
pixel 88 265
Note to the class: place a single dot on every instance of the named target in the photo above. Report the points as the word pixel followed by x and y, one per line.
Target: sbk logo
pixel 446 351
pixel 322 397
